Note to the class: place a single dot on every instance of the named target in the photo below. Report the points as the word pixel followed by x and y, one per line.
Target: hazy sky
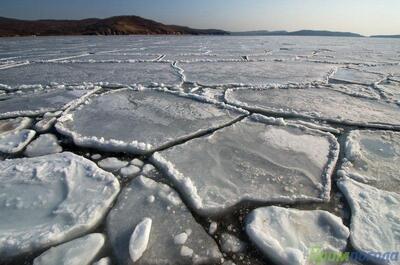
pixel 361 16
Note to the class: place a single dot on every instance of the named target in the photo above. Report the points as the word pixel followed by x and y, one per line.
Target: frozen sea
pixel 168 150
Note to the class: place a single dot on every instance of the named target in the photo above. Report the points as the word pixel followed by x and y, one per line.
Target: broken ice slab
pixel 288 236
pixel 50 199
pixel 142 121
pixel 80 73
pixel 175 236
pixel 15 141
pixel 355 76
pixel 39 103
pixel 373 157
pixel 81 251
pixel 390 90
pixel 375 221
pixel 258 159
pixel 17 124
pixel 256 73
pixel 45 144
pixel 317 103
pixel 356 90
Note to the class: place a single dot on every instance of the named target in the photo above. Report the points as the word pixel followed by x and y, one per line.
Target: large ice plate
pixel 141 121
pixel 317 103
pixel 373 157
pixel 50 199
pixel 252 160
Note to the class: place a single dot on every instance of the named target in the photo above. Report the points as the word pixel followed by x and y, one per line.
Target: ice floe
pixel 103 261
pixel 13 125
pixel 287 236
pixel 64 196
pixel 349 75
pixel 145 198
pixel 142 121
pixel 317 103
pixel 140 239
pixel 231 244
pixel 15 141
pixel 112 164
pixel 45 144
pixel 95 73
pixel 258 159
pixel 375 221
pixel 40 103
pixel 45 124
pixel 373 157
pixel 256 73
pixel 80 251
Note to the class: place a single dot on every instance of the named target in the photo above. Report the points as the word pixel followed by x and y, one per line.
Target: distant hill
pixel 386 36
pixel 297 33
pixel 121 25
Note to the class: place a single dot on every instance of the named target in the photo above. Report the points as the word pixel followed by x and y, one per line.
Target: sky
pixel 367 17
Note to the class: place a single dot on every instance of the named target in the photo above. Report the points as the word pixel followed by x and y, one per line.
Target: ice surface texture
pixel 375 218
pixel 80 251
pixel 319 103
pixel 256 73
pixel 286 236
pixel 40 103
pixel 45 144
pixel 64 196
pixel 144 198
pixel 142 121
pixel 78 73
pixel 373 157
pixel 252 160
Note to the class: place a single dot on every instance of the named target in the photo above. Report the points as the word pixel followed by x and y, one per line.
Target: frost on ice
pixel 145 198
pixel 39 103
pixel 373 157
pixel 80 251
pixel 375 219
pixel 45 144
pixel 141 121
pixel 64 196
pixel 319 103
pixel 286 236
pixel 256 73
pixel 139 239
pixel 252 160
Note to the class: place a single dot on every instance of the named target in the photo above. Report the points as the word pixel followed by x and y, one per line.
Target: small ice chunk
pixel 147 169
pixel 96 156
pixel 140 239
pixel 181 238
pixel 137 162
pixel 231 244
pixel 286 236
pixel 15 141
pixel 80 251
pixel 45 144
pixel 45 124
pixel 186 252
pixel 103 261
pixel 112 164
pixel 213 228
pixel 129 171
